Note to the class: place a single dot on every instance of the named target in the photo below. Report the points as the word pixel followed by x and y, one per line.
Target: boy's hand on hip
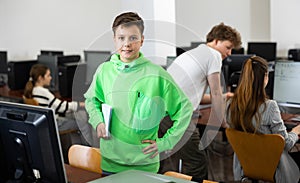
pixel 152 148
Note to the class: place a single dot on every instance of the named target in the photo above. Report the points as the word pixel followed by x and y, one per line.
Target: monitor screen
pixel 231 64
pixel 286 82
pixel 93 59
pixel 30 145
pixel 266 50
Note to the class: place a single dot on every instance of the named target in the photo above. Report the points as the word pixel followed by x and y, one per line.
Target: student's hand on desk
pixel 101 130
pixel 152 148
pixel 229 95
pixel 296 130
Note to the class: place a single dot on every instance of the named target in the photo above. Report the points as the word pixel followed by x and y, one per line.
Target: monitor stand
pixel 23 172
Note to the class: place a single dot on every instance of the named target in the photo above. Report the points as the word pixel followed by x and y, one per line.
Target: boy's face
pixel 224 47
pixel 128 41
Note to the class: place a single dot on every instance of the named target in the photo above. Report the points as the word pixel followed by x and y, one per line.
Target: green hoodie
pixel 141 94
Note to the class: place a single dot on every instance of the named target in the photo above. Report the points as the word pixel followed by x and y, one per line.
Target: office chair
pixel 186 177
pixel 85 157
pixel 178 175
pixel 259 154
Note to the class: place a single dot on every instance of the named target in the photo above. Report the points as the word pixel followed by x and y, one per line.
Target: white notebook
pixel 107 111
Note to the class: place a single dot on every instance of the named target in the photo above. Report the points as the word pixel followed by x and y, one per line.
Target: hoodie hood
pixel 127 67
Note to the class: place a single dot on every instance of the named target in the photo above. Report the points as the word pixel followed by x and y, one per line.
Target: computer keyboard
pixel 290 126
pixel 297 119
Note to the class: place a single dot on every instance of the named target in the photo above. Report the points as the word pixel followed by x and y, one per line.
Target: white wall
pixel 73 26
pixel 260 20
pixel 285 26
pixel 199 16
pixel 68 25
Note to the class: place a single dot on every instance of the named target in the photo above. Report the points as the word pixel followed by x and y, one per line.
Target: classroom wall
pixel 285 25
pixel 29 26
pixel 249 17
pixel 73 26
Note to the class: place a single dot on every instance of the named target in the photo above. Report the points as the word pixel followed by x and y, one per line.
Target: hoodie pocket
pixel 136 110
pixel 148 112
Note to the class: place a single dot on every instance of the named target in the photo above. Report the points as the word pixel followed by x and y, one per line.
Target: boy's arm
pixel 206 99
pixel 93 100
pixel 180 111
pixel 218 104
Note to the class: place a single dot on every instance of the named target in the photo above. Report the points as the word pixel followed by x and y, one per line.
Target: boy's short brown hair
pixel 128 19
pixel 224 32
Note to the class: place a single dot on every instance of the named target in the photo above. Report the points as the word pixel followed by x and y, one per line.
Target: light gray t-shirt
pixel 190 71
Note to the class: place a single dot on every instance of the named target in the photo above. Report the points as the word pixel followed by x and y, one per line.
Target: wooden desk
pixel 78 175
pixel 6 92
pixel 203 119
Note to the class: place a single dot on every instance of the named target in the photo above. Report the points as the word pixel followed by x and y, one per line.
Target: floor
pixel 220 155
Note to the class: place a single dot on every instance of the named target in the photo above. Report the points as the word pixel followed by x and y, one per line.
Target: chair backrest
pixel 184 176
pixel 85 157
pixel 178 175
pixel 259 154
pixel 30 101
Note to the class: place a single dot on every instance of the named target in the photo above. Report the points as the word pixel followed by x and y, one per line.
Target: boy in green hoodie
pixel 141 94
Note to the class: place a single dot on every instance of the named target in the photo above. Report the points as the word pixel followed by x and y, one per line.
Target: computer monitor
pixel 51 52
pixel 240 50
pixel 266 50
pixel 286 82
pixel 231 64
pixel 53 62
pixel 18 73
pixel 195 44
pixel 93 59
pixel 170 60
pixel 3 62
pixel 181 50
pixel 3 68
pixel 64 59
pixel 30 144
